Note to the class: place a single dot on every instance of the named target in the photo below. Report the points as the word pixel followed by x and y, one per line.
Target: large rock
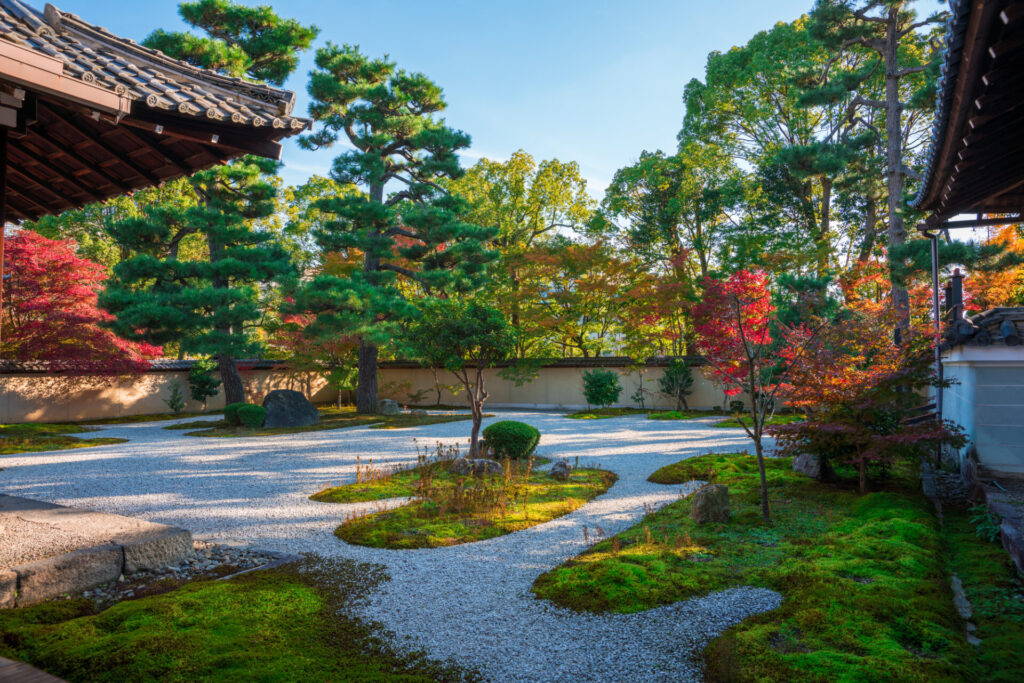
pixel 287 408
pixel 561 470
pixel 69 573
pixel 710 504
pixel 418 412
pixel 388 406
pixel 8 588
pixel 477 467
pixel 809 464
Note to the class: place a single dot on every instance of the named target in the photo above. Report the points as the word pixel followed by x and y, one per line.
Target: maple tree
pixel 857 387
pixel 310 353
pixel 734 326
pixel 51 314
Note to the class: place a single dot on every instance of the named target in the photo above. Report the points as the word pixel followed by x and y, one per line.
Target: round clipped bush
pixel 231 413
pixel 511 439
pixel 252 416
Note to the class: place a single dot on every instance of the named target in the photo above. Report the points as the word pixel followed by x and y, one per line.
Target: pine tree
pixel 209 304
pixel 415 237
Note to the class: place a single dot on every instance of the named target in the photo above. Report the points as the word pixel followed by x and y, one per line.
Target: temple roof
pixel 976 161
pixel 92 115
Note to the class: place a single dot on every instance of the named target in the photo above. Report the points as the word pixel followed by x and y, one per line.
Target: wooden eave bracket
pixel 44 74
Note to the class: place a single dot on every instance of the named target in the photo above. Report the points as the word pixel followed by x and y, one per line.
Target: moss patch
pixel 605 413
pixel 30 437
pixel 865 593
pixel 275 625
pixel 330 418
pixel 996 595
pixel 426 524
pixel 683 414
pixel 773 420
pixel 400 484
pixel 152 417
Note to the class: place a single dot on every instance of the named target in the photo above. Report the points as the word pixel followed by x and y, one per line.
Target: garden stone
pixel 8 588
pixel 288 408
pixel 478 467
pixel 418 412
pixel 561 470
pixel 710 504
pixel 808 464
pixel 388 406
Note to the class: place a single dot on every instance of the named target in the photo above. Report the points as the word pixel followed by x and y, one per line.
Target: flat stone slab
pixel 52 550
pixel 16 672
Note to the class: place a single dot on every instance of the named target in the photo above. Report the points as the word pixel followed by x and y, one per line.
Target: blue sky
pixel 591 81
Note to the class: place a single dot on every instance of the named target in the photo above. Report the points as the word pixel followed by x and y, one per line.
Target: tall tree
pixel 526 203
pixel 416 233
pixel 889 33
pixel 209 304
pixel 50 311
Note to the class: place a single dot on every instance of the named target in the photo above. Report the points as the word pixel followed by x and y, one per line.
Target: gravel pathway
pixel 470 602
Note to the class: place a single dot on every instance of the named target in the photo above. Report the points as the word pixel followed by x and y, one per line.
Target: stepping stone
pixel 49 550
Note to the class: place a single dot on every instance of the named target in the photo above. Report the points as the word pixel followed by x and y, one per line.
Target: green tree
pixel 417 233
pixel 211 304
pixel 202 385
pixel 677 382
pixel 526 203
pixel 464 338
pixel 888 39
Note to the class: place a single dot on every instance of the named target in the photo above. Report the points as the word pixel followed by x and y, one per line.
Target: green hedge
pixel 231 413
pixel 511 439
pixel 252 416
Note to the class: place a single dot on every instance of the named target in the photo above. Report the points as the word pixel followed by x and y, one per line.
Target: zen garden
pixel 701 361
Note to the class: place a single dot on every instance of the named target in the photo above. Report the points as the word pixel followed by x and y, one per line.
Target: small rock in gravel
pixel 561 470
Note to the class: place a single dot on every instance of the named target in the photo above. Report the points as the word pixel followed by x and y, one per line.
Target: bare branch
pixel 867 102
pixel 909 70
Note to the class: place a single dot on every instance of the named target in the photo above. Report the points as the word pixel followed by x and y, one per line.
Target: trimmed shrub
pixel 601 387
pixel 252 416
pixel 231 413
pixel 511 439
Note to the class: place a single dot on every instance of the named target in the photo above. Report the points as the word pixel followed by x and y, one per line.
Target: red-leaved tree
pixel 50 312
pixel 733 325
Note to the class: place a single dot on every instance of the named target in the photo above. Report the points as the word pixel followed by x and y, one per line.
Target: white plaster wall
pixel 988 402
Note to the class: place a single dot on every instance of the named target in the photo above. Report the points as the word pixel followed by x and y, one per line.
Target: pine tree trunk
pixel 826 226
pixel 894 158
pixel 231 379
pixel 366 390
pixel 870 220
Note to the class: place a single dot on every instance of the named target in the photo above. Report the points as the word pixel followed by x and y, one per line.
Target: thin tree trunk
pixel 826 226
pixel 870 228
pixel 231 379
pixel 765 512
pixel 894 158
pixel 756 431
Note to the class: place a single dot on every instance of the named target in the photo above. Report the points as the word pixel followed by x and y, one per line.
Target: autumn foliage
pixel 858 389
pixel 50 312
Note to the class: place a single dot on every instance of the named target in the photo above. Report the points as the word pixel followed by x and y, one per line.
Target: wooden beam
pixel 229 137
pixel 65 149
pixel 45 183
pixel 90 136
pixel 31 197
pixel 68 178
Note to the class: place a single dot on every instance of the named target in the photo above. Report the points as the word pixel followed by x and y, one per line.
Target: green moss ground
pixel 32 437
pixel 275 625
pixel 683 414
pixel 866 594
pixel 401 484
pixel 605 413
pixel 785 419
pixel 421 524
pixel 152 417
pixel 996 595
pixel 330 418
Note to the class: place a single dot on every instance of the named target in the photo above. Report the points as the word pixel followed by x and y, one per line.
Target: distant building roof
pixel 976 160
pixel 994 327
pixel 92 115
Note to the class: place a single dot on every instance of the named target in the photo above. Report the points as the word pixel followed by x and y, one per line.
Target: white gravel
pixel 471 602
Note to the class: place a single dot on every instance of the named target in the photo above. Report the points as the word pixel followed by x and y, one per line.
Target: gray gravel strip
pixel 471 602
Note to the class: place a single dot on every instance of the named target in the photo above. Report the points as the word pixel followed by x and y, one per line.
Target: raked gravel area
pixel 471 603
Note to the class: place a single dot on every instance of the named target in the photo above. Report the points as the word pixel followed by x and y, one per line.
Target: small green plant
pixel 201 383
pixel 601 387
pixel 231 413
pixel 640 398
pixel 986 523
pixel 736 407
pixel 417 397
pixel 251 416
pixel 677 382
pixel 511 439
pixel 176 401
